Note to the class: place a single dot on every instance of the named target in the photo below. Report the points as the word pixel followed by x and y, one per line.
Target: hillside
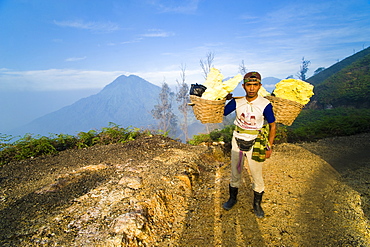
pixel 325 74
pixel 155 191
pixel 346 83
pixel 348 87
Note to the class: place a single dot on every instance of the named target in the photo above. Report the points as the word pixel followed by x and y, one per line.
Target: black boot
pixel 233 191
pixel 257 204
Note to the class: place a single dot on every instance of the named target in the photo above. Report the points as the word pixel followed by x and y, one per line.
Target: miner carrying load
pixel 252 139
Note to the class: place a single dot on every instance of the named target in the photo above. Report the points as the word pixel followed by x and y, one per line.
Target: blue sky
pixel 48 45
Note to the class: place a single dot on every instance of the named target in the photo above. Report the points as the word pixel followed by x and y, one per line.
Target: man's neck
pixel 250 99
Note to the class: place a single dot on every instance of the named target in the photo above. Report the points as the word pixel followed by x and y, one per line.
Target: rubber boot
pixel 233 191
pixel 257 205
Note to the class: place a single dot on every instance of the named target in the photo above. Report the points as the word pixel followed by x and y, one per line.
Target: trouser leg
pixel 258 184
pixel 236 159
pixel 255 169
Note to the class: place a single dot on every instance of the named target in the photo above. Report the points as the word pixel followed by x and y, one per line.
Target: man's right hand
pixel 229 96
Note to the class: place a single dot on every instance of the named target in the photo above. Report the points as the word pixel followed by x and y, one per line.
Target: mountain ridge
pixel 117 102
pixel 335 68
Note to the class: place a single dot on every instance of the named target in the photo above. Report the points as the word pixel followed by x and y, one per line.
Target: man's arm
pixel 230 107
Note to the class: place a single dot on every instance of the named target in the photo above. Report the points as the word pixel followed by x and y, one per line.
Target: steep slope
pixel 127 101
pixel 348 87
pixel 325 74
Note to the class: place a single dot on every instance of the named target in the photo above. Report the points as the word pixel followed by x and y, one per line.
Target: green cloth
pixel 244 131
pixel 262 142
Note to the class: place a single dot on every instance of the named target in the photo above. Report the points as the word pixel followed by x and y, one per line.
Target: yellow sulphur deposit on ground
pixel 217 88
pixel 295 90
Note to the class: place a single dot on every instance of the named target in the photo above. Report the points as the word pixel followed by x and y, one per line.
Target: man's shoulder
pixel 240 100
pixel 262 100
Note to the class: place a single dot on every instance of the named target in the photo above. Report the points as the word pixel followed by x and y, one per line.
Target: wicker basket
pixel 208 111
pixel 286 111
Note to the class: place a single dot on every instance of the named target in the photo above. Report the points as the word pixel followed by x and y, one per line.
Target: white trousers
pixel 255 168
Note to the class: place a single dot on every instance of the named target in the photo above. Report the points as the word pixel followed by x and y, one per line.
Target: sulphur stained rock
pixel 131 182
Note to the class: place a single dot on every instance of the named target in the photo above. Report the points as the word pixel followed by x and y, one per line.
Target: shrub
pixel 116 134
pixel 312 125
pixel 33 146
pixel 198 139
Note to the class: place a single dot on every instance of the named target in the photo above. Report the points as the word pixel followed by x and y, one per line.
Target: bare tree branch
pixel 207 64
pixel 182 97
pixel 242 69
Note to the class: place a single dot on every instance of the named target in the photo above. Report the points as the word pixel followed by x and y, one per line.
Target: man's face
pixel 251 88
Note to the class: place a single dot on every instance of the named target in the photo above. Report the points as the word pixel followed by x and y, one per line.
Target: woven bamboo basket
pixel 208 111
pixel 286 111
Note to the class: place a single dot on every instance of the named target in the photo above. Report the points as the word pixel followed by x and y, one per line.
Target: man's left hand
pixel 268 153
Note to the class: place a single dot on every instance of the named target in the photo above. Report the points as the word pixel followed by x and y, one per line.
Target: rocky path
pixel 307 202
pixel 158 192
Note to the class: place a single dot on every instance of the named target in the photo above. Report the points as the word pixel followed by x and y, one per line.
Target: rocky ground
pixel 155 191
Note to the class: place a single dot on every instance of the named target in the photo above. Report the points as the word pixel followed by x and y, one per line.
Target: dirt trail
pixel 307 202
pixel 155 191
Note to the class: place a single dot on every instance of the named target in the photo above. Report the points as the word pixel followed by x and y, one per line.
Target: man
pixel 251 113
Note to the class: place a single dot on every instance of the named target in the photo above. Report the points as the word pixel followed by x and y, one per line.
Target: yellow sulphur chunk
pixel 217 88
pixel 232 83
pixel 214 77
pixel 263 92
pixel 215 93
pixel 295 90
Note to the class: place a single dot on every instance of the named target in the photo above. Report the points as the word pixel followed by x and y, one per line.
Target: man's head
pixel 252 76
pixel 251 85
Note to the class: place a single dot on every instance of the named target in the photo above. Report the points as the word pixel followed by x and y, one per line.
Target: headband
pixel 251 79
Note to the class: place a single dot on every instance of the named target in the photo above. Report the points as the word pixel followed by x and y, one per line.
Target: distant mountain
pixel 269 83
pixel 18 108
pixel 127 101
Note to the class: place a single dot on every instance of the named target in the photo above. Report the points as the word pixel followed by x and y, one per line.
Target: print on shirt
pixel 247 120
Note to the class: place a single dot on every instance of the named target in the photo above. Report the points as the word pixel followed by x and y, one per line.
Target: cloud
pixel 175 6
pixel 55 79
pixel 131 41
pixel 74 59
pixel 91 26
pixel 68 79
pixel 153 33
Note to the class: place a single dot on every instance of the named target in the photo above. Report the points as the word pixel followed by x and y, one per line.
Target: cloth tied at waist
pixel 244 131
pixel 259 147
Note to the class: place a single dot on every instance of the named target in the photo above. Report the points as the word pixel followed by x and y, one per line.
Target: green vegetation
pixel 217 135
pixel 312 125
pixel 348 87
pixel 34 146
